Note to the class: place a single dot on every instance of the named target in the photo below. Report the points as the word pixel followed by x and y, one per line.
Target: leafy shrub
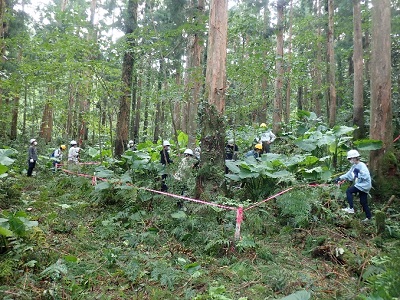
pixel 10 193
pixel 383 276
pixel 296 205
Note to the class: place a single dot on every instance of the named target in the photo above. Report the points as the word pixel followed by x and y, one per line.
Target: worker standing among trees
pixel 32 157
pixel 266 138
pixel 165 160
pixel 361 177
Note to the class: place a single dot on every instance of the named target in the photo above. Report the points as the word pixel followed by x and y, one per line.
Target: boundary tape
pixel 239 210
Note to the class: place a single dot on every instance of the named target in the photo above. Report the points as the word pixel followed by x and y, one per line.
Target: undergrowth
pixel 121 242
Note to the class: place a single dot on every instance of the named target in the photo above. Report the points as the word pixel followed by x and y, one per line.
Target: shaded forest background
pixel 323 74
pixel 65 74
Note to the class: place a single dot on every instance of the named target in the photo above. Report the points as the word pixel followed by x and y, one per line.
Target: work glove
pixel 356 172
pixel 31 160
pixel 336 180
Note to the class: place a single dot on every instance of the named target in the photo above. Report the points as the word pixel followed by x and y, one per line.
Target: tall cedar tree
pixel 381 100
pixel 127 68
pixel 212 115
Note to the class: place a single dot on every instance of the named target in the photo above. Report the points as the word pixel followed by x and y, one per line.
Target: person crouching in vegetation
pixel 361 177
pixel 256 152
pixel 57 156
pixel 165 160
pixel 185 171
pixel 32 157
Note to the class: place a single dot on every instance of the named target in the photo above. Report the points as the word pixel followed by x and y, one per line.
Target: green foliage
pixel 383 276
pixel 300 295
pixel 6 160
pixel 10 192
pixel 297 206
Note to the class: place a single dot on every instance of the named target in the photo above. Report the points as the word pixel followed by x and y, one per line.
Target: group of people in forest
pixel 358 173
pixel 56 155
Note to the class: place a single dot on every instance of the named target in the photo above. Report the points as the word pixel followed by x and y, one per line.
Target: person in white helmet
pixel 73 153
pixel 361 177
pixel 32 156
pixel 185 171
pixel 165 160
pixel 131 146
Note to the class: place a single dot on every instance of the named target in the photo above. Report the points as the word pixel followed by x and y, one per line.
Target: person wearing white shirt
pixel 266 138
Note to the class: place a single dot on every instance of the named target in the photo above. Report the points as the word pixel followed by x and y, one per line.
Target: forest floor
pixel 107 246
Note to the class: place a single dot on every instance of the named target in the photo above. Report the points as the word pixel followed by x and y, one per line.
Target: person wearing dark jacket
pixel 32 157
pixel 165 161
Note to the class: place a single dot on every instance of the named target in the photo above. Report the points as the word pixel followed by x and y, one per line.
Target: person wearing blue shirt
pixel 256 152
pixel 361 177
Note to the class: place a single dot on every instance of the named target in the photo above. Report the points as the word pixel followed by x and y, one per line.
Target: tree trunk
pixel 277 114
pixel 332 107
pixel 46 126
pixel 127 68
pixel 160 106
pixel 212 116
pixel 367 49
pixel 3 30
pixel 358 109
pixel 317 80
pixel 193 82
pixel 381 102
pixel 137 112
pixel 262 115
pixel 289 67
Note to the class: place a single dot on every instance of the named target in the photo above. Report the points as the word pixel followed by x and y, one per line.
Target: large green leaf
pixel 5 232
pixel 17 225
pixel 305 145
pixel 4 157
pixel 3 169
pixel 299 295
pixel 232 166
pixel 367 144
pixel 342 130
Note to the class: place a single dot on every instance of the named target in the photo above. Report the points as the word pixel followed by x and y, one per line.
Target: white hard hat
pixel 73 143
pixel 188 151
pixel 166 143
pixel 353 154
pixel 130 142
pixel 32 140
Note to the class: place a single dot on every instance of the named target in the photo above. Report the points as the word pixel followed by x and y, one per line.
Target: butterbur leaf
pixel 367 144
pixel 299 295
pixel 5 232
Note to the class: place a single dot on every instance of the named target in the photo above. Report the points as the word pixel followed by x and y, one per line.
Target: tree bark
pixel 332 107
pixel 277 114
pixel 381 102
pixel 358 109
pixel 289 67
pixel 127 68
pixel 212 116
pixel 317 82
pixel 193 82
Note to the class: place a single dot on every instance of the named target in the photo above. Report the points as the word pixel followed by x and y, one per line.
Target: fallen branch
pixel 389 203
